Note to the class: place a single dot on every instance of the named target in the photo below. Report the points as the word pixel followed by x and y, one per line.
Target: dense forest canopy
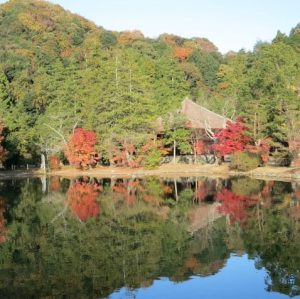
pixel 59 71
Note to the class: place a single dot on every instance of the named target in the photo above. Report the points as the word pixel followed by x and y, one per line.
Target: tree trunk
pixel 175 189
pixel 196 190
pixel 43 163
pixel 44 184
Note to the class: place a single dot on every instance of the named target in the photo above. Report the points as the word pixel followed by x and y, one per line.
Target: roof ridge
pixel 201 107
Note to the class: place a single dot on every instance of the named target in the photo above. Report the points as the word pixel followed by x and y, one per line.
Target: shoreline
pixel 167 170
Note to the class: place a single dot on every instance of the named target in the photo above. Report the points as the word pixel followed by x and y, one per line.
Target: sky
pixel 229 24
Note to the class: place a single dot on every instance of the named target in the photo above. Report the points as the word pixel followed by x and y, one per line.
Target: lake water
pixel 149 238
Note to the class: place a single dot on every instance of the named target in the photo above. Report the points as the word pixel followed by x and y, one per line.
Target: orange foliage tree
pixel 82 199
pixel 55 183
pixel 80 149
pixel 183 53
pixel 54 162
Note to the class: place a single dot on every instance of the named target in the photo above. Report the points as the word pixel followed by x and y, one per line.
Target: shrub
pixel 244 161
pixel 54 162
pixel 246 186
pixel 281 158
pixel 152 159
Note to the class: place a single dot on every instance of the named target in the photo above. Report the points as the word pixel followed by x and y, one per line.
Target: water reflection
pixel 3 228
pixel 88 238
pixel 82 198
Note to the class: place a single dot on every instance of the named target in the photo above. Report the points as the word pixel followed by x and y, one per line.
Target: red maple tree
pixel 82 199
pixel 199 147
pixel 233 205
pixel 80 149
pixel 232 139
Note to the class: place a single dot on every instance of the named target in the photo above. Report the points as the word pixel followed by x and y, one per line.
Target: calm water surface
pixel 150 238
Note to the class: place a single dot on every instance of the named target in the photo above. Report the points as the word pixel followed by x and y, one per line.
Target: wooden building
pixel 198 118
pixel 203 123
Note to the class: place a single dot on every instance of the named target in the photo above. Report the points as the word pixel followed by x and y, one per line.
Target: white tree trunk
pixel 43 163
pixel 44 184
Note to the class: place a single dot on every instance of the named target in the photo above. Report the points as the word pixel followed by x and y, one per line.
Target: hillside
pixel 59 70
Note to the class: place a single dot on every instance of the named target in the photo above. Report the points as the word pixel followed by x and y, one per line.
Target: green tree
pixel 176 134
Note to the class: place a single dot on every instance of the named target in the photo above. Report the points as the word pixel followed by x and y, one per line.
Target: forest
pixel 61 75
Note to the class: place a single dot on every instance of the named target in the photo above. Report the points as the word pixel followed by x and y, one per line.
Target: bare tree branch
pixel 209 131
pixel 57 132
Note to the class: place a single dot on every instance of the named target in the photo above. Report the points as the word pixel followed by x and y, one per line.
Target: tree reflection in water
pixel 147 228
pixel 3 228
pixel 82 199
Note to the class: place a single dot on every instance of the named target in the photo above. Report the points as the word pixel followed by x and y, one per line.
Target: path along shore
pixel 169 170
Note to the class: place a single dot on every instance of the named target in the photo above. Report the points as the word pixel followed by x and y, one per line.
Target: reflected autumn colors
pixel 87 237
pixel 82 199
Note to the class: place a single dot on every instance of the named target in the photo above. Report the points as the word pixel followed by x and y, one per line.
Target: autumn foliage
pixel 80 149
pixel 235 205
pixel 201 191
pixel 55 183
pixel 128 190
pixel 128 37
pixel 199 147
pixel 183 53
pixel 126 156
pixel 82 199
pixel 54 162
pixel 263 148
pixel 232 139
